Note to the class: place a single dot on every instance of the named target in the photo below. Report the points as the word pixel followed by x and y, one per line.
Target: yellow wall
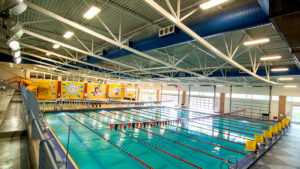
pixel 52 86
pixel 96 91
pixel 72 90
pixel 116 91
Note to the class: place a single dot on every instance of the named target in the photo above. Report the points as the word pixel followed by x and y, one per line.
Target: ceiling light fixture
pixel 16 7
pixel 279 69
pixel 258 41
pixel 18 60
pixel 290 86
pixel 56 46
pixel 285 78
pixel 270 58
pixel 68 35
pixel 211 3
pixel 14 45
pixel 16 54
pixel 91 12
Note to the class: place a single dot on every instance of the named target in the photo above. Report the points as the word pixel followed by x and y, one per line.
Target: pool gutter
pixel 60 148
pixel 93 109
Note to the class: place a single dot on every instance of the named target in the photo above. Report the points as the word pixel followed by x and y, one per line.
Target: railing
pixel 46 153
pixel 227 162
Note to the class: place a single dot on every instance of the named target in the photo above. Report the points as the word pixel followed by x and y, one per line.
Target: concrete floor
pixel 13 140
pixel 285 154
pixel 14 153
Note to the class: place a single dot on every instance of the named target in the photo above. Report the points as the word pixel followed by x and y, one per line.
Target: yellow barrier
pixel 259 138
pixel 251 145
pixel 279 127
pixel 288 121
pixel 283 123
pixel 274 129
pixel 268 134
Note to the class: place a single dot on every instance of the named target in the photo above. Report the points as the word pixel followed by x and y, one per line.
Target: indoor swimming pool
pixel 102 138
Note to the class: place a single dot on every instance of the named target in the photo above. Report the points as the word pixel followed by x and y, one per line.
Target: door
pixel 296 114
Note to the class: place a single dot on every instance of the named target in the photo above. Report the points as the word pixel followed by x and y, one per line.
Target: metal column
pixel 230 98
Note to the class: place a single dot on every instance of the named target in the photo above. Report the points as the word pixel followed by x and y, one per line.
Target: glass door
pixel 296 114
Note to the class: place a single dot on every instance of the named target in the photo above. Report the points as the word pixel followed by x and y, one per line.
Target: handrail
pixel 227 162
pixel 44 144
pixel 236 164
pixel 223 163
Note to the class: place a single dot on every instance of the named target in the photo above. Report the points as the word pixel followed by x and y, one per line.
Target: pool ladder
pixel 226 161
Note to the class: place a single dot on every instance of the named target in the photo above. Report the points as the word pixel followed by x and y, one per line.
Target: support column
pixel 281 108
pixel 183 97
pixel 58 89
pixel 158 98
pixel 137 98
pixel 85 90
pixel 230 98
pixel 270 100
pixel 189 96
pixel 107 91
pixel 214 101
pixel 222 103
pixel 27 74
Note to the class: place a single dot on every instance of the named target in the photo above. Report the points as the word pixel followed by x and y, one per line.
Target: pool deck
pixel 13 140
pixel 285 154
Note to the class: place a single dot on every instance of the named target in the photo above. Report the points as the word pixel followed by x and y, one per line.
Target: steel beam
pixel 194 35
pixel 119 44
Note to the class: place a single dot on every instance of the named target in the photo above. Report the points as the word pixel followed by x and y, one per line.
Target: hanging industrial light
pixel 13 44
pixel 15 7
pixel 18 60
pixel 16 54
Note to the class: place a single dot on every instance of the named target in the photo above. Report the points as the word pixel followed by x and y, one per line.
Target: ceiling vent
pixel 166 31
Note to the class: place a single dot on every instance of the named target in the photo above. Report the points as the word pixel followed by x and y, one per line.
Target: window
pixel 238 96
pixel 147 90
pixel 175 92
pixel 170 100
pixel 260 97
pixel 295 99
pixel 202 104
pixel 147 97
pixel 130 90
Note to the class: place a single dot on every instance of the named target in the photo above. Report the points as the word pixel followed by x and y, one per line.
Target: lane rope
pixel 194 126
pixel 102 136
pixel 149 144
pixel 184 136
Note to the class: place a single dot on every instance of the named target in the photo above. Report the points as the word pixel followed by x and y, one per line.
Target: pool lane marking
pixel 153 146
pixel 219 127
pixel 206 121
pixel 203 128
pixel 216 117
pixel 184 136
pixel 198 132
pixel 238 120
pixel 100 135
pixel 226 121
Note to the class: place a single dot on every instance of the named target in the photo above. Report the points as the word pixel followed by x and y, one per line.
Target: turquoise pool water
pixel 200 144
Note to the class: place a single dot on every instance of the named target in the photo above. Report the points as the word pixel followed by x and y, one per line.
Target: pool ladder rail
pixel 226 161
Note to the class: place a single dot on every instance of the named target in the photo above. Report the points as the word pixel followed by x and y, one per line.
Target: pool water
pixel 200 144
